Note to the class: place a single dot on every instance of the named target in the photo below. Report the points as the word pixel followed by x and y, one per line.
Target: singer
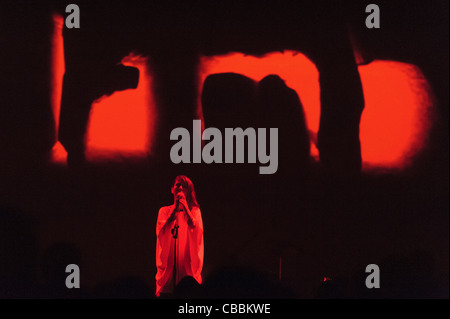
pixel 179 238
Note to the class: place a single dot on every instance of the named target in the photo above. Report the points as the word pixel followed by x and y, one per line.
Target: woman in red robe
pixel 184 213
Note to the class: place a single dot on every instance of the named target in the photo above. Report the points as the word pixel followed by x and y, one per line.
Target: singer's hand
pixel 177 198
pixel 181 198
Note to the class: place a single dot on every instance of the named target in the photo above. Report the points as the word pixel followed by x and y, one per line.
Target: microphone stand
pixel 175 236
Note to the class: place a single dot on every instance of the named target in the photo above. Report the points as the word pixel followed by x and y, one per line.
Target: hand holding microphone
pixel 181 199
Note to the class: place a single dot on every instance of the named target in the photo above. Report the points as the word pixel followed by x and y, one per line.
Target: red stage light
pixel 122 125
pixel 59 154
pixel 397 114
pixel 298 72
pixel 398 101
pixel 393 128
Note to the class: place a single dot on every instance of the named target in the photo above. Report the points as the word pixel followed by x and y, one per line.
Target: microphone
pixel 177 202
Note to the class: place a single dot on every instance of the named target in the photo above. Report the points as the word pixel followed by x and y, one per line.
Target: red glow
pixel 395 120
pixel 294 68
pixel 394 123
pixel 123 124
pixel 59 154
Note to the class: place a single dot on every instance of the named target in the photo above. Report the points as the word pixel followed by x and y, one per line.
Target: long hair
pixel 191 198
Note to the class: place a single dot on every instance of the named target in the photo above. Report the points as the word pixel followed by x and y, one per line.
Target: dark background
pixel 102 216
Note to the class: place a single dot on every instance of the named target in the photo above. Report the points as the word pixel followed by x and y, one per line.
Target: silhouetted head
pixel 184 184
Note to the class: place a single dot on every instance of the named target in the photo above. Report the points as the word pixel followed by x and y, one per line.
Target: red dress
pixel 190 248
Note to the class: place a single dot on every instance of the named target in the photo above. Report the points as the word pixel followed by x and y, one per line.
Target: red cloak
pixel 190 247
